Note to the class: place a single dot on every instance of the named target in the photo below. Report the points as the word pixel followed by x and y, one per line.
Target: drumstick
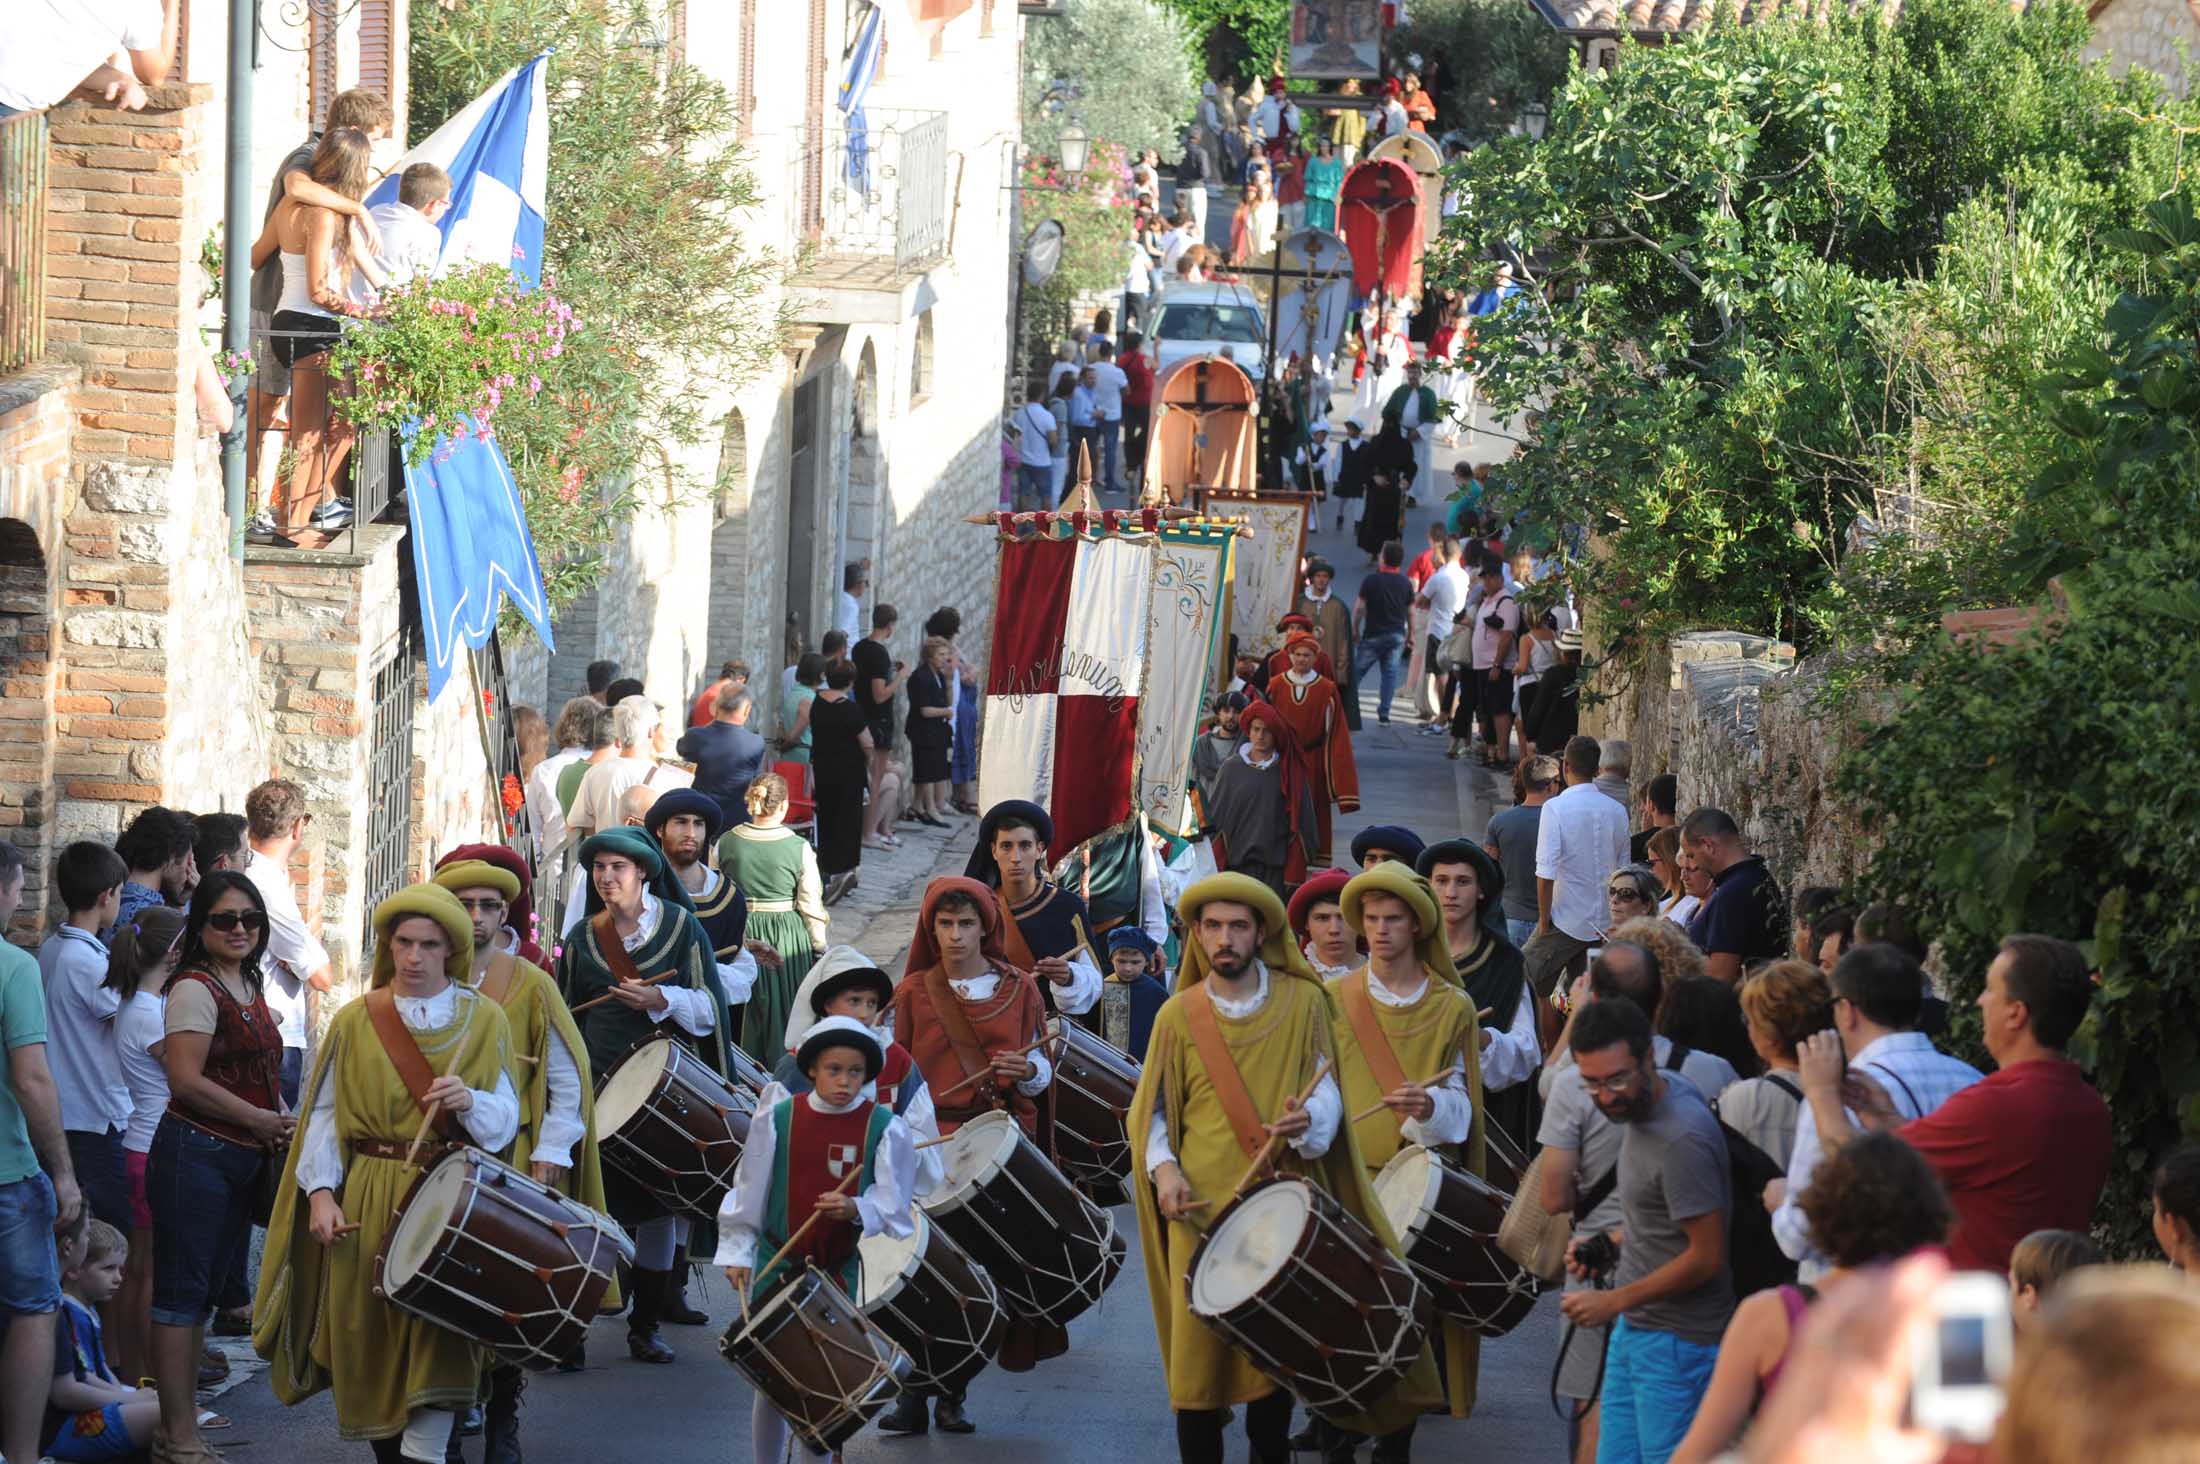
pixel 596 1001
pixel 427 1119
pixel 935 1143
pixel 1377 1107
pixel 987 1072
pixel 343 1230
pixel 804 1228
pixel 1260 1160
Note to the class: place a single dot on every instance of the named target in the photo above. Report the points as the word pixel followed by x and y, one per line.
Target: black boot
pixel 500 1439
pixel 907 1416
pixel 677 1309
pixel 642 1342
pixel 948 1415
pixel 388 1451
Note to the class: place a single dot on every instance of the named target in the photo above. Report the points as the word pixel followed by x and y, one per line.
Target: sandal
pixel 877 845
pixel 165 1451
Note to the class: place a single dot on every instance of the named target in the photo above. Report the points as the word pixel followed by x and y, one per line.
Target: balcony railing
pixel 321 459
pixel 22 240
pixel 878 193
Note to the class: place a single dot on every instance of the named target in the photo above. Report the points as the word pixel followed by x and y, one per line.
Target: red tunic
pixel 1314 715
pixel 1012 1017
pixel 821 1150
pixel 897 1067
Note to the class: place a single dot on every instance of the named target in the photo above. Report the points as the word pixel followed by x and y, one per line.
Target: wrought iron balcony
pixel 871 201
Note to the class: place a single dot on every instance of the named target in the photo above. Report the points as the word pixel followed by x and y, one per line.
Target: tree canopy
pixel 1131 64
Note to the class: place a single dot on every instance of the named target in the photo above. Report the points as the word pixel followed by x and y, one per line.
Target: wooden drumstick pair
pixel 987 1072
pixel 799 1231
pixel 1268 1150
pixel 597 1001
pixel 1439 1080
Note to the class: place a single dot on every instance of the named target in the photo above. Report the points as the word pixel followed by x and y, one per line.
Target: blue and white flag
pixel 470 543
pixel 497 151
pixel 863 58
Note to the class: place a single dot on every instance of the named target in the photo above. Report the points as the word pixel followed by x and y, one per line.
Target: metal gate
pixel 500 745
pixel 389 788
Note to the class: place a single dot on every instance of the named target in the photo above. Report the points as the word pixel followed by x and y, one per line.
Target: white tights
pixel 427 1433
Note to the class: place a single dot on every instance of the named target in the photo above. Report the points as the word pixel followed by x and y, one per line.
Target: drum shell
pixel 1093 1086
pixel 946 1314
pixel 1050 1251
pixel 816 1358
pixel 534 1311
pixel 1340 1289
pixel 681 1146
pixel 1454 1252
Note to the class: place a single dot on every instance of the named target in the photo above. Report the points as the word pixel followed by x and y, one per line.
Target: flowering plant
pixel 441 355
pixel 233 365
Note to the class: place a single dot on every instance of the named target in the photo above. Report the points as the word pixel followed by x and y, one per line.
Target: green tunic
pixel 612 1030
pixel 317 1320
pixel 773 866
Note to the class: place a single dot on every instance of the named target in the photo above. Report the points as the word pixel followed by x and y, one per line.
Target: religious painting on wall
pixel 1335 39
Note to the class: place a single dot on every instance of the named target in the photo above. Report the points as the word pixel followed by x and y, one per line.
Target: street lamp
pixel 1076 148
pixel 1535 120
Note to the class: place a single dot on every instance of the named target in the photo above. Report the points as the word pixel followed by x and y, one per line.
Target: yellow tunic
pixel 1427 1036
pixel 1275 1049
pixel 533 1008
pixel 316 1318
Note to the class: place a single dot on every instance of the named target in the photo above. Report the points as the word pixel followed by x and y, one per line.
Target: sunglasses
pixel 1624 892
pixel 228 920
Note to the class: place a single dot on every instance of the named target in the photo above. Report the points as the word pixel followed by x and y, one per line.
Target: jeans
pixel 200 1188
pixel 1653 1382
pixel 1034 486
pixel 102 1175
pixel 1520 931
pixel 1384 651
pixel 30 1271
pixel 1134 310
pixel 1111 434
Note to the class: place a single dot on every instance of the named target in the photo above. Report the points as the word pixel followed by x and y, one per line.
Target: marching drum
pixel 747 1071
pixel 933 1302
pixel 670 1124
pixel 817 1359
pixel 1050 1250
pixel 1093 1084
pixel 1446 1221
pixel 1288 1277
pixel 1502 1162
pixel 484 1251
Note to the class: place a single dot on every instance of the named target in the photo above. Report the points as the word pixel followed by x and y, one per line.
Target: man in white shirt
pixel 855 578
pixel 1108 382
pixel 1444 597
pixel 412 245
pixel 1037 437
pixel 1178 239
pixel 575 736
pixel 596 807
pixel 297 967
pixel 1581 840
pixel 50 48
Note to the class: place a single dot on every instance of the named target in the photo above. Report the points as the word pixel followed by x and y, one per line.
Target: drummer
pixel 557 1104
pixel 640 946
pixel 1248 1018
pixel 1318 925
pixel 1045 929
pixel 965 1011
pixel 827 1133
pixel 1407 1048
pixel 1469 888
pixel 317 1318
pixel 847 983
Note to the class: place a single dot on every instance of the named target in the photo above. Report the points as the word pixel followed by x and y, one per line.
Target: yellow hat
pixel 478 874
pixel 1278 951
pixel 1393 878
pixel 437 904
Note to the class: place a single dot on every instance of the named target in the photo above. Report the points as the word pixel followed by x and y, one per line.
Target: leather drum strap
pixel 615 953
pixel 1222 1071
pixel 1359 1011
pixel 969 1051
pixel 496 981
pixel 404 1052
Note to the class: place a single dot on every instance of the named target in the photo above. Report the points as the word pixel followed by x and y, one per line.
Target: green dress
pixel 777 869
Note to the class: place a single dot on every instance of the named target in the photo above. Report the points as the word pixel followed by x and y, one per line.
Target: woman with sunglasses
pixel 139 964
pixel 223 1056
pixel 1631 891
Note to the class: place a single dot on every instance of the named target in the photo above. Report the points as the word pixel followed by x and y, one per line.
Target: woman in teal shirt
pixel 1324 181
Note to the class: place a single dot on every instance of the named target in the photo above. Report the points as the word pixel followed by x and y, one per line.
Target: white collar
pixel 1383 994
pixel 819 1105
pixel 646 926
pixel 1245 753
pixel 1301 678
pixel 1241 1008
pixel 1318 599
pixel 1323 969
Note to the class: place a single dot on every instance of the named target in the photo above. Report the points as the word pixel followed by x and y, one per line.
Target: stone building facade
pixel 2157 35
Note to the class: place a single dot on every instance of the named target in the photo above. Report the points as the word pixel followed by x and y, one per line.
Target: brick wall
pixel 34 491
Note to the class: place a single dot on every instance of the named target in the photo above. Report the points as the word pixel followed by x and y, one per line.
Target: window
pixel 1186 322
pixel 730 486
pixel 920 361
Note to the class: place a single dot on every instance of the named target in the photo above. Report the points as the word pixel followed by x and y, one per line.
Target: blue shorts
pixel 89 1438
pixel 30 1271
pixel 1653 1382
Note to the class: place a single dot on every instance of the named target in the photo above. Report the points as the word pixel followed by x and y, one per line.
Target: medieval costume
pixel 1262 819
pixel 1324 181
pixel 1327 885
pixel 1330 618
pixel 520 925
pixel 1495 978
pixel 1148 992
pixel 1410 419
pixel 1217 1070
pixel 1279 660
pixel 317 1318
pixel 1051 921
pixel 1214 747
pixel 721 908
pixel 777 869
pixel 1387 1039
pixel 1398 843
pixel 1382 507
pixel 1311 708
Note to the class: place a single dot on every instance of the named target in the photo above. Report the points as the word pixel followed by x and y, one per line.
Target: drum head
pixel 1249 1246
pixel 630 1084
pixel 972 1155
pixel 886 1259
pixel 424 1220
pixel 1406 1189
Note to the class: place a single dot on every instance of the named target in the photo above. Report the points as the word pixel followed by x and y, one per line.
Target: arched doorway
pixel 860 533
pixel 26 707
pixel 729 541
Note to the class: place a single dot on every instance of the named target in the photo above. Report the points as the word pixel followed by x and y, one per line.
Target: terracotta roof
pixel 1652 18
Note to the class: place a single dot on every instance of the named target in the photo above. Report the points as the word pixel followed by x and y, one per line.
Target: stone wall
pixel 2152 34
pixel 35 495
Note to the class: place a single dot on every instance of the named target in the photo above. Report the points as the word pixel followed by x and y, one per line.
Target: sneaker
pixel 261 530
pixel 335 514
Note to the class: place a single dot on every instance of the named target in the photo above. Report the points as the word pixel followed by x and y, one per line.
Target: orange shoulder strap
pixel 1222 1071
pixel 404 1052
pixel 1359 1011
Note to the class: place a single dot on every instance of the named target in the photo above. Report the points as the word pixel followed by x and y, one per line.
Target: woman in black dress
pixel 1384 517
pixel 931 729
pixel 840 753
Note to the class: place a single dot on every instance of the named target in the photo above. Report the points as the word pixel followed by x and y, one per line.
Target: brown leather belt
pixel 430 1151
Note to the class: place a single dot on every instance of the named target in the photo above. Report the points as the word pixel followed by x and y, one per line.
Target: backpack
pixel 1753 1252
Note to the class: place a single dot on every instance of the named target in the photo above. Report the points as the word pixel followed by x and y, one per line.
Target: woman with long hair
pixel 318 248
pixel 223 1128
pixel 778 870
pixel 139 964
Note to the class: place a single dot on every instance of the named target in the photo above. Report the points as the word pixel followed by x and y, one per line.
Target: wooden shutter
pixel 179 69
pixel 677 28
pixel 747 75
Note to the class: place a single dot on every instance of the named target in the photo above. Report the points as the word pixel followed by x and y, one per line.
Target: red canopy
pixel 1378 214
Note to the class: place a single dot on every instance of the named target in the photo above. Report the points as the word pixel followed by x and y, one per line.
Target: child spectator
pixel 144 956
pixel 1131 958
pixel 412 245
pixel 90 1415
pixel 2038 1267
pixel 80 1015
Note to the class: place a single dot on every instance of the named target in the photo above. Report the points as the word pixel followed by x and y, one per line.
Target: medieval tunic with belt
pixel 551 1073
pixel 317 1320
pixel 800 1148
pixel 1312 712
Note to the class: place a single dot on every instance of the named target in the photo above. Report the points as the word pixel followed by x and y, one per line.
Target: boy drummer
pixel 797 1163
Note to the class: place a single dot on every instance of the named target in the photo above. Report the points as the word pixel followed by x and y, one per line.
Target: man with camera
pixel 1671 1291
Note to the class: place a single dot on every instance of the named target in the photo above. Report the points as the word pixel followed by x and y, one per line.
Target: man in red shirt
pixel 1429 560
pixel 2024 1149
pixel 1137 406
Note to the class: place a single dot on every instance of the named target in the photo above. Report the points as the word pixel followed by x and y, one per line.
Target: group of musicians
pixel 469 1036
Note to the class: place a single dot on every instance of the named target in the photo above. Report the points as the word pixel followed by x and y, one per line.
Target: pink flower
pixel 518 252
